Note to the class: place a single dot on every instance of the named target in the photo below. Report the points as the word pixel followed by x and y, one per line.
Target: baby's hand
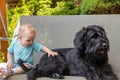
pixel 52 53
pixel 10 65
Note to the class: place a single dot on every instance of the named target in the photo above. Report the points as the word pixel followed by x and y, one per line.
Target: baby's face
pixel 27 39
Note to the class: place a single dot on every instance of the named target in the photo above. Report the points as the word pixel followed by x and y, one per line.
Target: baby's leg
pixel 19 70
pixel 16 70
pixel 3 67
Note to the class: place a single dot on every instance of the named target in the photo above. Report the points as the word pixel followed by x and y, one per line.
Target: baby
pixel 22 48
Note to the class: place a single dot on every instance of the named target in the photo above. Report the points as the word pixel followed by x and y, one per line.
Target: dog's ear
pixel 80 38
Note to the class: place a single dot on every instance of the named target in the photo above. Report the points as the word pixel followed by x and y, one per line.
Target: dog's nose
pixel 104 45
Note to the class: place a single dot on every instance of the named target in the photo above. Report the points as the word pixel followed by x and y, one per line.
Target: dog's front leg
pixel 92 76
pixel 109 77
pixel 32 74
pixel 108 73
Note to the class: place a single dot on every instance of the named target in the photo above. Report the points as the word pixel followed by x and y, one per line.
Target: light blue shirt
pixel 24 53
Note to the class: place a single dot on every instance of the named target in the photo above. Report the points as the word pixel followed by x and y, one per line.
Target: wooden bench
pixel 59 32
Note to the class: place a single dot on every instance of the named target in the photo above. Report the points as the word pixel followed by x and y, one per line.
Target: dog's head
pixel 92 42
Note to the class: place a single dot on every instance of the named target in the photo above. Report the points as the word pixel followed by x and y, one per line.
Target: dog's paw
pixel 57 76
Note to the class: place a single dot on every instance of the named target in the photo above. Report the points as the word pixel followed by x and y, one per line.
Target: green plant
pixel 87 6
pixel 65 8
pixel 111 9
pixel 2 57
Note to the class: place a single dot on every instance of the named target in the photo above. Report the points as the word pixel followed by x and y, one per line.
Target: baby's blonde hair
pixel 26 27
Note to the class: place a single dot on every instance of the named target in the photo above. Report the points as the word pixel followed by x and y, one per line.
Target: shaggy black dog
pixel 89 58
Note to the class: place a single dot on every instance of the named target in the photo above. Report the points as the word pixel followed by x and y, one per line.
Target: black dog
pixel 89 58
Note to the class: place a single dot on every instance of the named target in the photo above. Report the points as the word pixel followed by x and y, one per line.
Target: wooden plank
pixel 3 44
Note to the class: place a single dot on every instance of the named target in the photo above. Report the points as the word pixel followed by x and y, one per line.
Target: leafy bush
pixel 64 8
pixel 2 57
pixel 88 5
pixel 111 9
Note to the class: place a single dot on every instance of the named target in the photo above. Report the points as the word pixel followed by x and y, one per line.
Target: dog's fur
pixel 89 58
